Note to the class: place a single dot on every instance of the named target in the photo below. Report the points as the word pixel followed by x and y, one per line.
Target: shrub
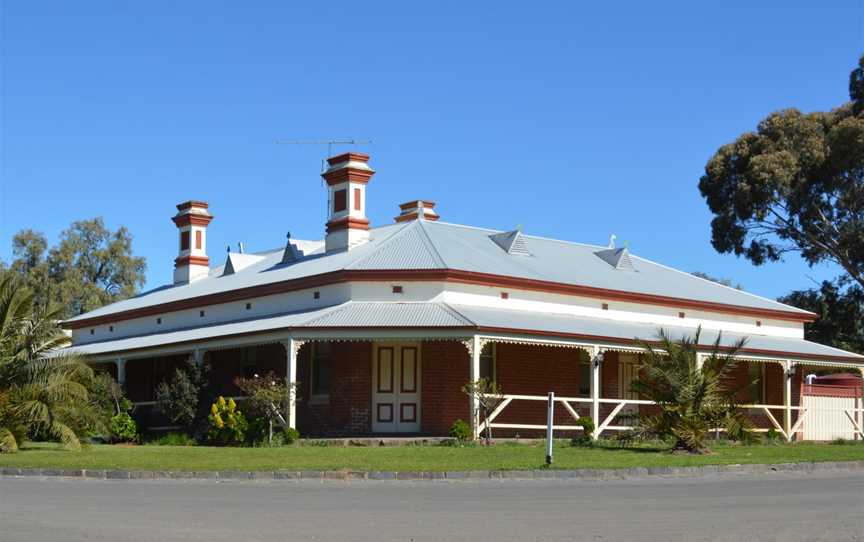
pixel 584 438
pixel 268 396
pixel 460 431
pixel 290 435
pixel 123 428
pixel 227 424
pixel 184 397
pixel 173 439
pixel 772 436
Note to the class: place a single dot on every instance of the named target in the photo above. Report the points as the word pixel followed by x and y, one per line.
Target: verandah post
pixel 292 346
pixel 121 371
pixel 596 362
pixel 788 374
pixel 475 352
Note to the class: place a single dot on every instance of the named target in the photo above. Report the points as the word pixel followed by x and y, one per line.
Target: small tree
pixel 268 396
pixel 692 400
pixel 488 396
pixel 184 398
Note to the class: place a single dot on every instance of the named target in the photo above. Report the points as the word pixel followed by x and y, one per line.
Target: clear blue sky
pixel 575 121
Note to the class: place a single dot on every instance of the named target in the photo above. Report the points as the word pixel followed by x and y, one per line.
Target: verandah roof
pixel 359 316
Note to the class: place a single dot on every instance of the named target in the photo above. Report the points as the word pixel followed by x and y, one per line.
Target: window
pixel 316 295
pixel 201 314
pixel 487 362
pixel 584 374
pixel 358 204
pixel 339 201
pixel 111 329
pixel 158 321
pixel 248 306
pixel 184 240
pixel 321 369
pixel 92 331
pixel 756 383
pixel 198 241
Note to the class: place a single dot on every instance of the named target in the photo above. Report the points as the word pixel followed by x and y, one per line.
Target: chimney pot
pixel 346 179
pixel 417 210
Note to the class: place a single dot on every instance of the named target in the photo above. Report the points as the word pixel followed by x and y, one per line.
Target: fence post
pixel 550 418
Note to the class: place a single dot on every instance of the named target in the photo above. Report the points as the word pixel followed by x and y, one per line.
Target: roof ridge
pixel 456 313
pixel 398 234
pixel 430 243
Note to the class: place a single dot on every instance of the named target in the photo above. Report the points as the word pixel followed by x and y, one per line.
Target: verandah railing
pixel 855 416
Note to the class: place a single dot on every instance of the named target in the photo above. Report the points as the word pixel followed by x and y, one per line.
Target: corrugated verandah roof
pixel 423 245
pixel 361 316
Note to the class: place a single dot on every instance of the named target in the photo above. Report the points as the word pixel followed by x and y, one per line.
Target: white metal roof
pixel 391 315
pixel 421 244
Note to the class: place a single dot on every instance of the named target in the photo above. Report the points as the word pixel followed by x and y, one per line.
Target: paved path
pixel 780 506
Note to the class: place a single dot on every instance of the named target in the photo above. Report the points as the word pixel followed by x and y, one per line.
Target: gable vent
pixel 237 261
pixel 513 242
pixel 619 258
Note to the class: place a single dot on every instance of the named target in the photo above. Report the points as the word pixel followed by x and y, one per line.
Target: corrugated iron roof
pixel 422 244
pixel 431 316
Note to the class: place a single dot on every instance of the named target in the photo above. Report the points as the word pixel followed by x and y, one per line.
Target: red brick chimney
pixel 346 179
pixel 192 262
pixel 417 210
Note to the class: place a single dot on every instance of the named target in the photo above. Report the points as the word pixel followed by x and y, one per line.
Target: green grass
pixel 410 458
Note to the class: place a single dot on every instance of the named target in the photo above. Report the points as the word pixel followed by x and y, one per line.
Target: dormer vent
pixel 512 242
pixel 292 253
pixel 238 261
pixel 619 258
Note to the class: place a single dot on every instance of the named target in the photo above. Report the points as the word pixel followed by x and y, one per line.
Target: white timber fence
pixel 809 418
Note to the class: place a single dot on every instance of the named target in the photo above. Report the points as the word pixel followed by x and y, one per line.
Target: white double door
pixel 396 387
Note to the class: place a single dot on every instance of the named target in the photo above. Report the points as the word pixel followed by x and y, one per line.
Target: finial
pixel 229 249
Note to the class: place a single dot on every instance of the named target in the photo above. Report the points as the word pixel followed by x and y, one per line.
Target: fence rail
pixel 853 415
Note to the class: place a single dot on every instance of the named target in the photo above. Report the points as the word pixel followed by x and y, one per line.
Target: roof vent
pixel 292 253
pixel 237 261
pixel 513 242
pixel 619 258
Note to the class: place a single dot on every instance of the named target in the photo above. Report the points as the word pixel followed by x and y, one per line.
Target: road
pixel 780 506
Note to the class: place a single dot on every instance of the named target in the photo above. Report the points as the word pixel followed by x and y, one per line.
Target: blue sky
pixel 572 120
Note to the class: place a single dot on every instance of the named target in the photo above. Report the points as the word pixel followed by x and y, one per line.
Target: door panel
pixel 396 388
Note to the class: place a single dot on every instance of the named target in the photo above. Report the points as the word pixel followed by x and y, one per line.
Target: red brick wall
pixel 536 370
pixel 348 411
pixel 228 365
pixel 445 369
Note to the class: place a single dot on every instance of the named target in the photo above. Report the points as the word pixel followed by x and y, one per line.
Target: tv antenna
pixel 328 142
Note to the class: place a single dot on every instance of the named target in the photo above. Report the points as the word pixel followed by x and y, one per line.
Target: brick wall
pixel 348 410
pixel 445 369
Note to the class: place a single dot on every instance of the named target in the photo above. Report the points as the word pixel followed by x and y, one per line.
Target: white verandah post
pixel 788 374
pixel 292 347
pixel 596 362
pixel 121 371
pixel 474 351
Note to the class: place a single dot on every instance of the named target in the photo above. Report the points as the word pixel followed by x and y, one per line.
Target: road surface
pixel 780 506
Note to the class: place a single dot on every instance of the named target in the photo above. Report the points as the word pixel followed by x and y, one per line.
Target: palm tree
pixel 692 401
pixel 42 391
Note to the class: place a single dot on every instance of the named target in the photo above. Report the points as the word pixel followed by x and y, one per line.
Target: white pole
pixel 474 375
pixel 596 359
pixel 788 373
pixel 291 347
pixel 550 417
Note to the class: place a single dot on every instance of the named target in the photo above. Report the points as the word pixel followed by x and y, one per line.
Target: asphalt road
pixel 822 506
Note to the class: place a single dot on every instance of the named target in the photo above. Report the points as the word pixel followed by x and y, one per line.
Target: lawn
pixel 410 458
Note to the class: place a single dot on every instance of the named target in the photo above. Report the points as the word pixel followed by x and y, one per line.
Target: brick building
pixel 379 328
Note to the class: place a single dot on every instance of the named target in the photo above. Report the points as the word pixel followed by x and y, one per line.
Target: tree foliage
pixel 841 314
pixel 691 400
pixel 91 266
pixel 40 392
pixel 724 281
pixel 796 184
pixel 268 396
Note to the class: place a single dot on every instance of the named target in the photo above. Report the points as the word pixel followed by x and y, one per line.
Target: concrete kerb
pixel 352 475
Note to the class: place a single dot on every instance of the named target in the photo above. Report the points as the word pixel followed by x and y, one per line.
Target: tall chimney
pixel 346 180
pixel 192 262
pixel 418 209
